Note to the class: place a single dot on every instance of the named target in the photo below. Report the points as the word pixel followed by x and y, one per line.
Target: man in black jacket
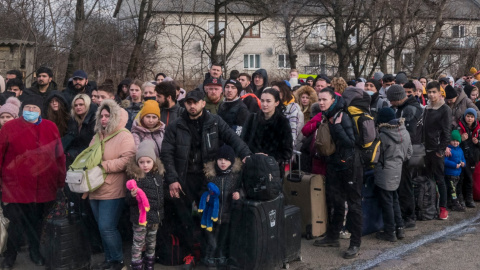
pixel 409 109
pixel 436 130
pixel 191 141
pixel 232 110
pixel 78 85
pixel 167 100
pixel 42 86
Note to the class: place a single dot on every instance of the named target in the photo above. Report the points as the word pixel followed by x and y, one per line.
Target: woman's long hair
pixel 60 117
pixel 79 119
pixel 287 94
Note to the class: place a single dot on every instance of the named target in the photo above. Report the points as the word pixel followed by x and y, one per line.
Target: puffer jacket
pixel 452 161
pixel 152 184
pixel 313 99
pixel 234 113
pixel 342 134
pixel 411 111
pixel 228 184
pixel 437 125
pixel 395 148
pixel 132 108
pixel 168 115
pixel 77 139
pixel 458 108
pixel 176 145
pixel 70 92
pixel 470 149
pixel 294 114
pixel 263 72
pixel 117 152
pixel 141 133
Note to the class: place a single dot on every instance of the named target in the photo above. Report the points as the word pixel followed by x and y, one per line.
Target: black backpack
pixel 261 177
pixel 425 198
pixel 366 136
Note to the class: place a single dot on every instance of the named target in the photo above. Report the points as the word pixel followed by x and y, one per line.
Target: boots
pixel 456 206
pixel 386 236
pixel 149 262
pixel 137 265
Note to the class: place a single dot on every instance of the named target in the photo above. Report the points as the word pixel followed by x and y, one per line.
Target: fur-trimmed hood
pixel 395 130
pixel 134 171
pixel 209 168
pixel 306 90
pixel 118 117
pixel 395 123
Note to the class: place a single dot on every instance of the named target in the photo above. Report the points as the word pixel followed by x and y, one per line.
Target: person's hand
pixel 448 152
pixel 236 196
pixel 475 140
pixel 458 165
pixel 262 154
pixel 439 154
pixel 244 159
pixel 462 163
pixel 175 189
pixel 339 119
pixel 465 136
pixel 133 192
pixel 208 198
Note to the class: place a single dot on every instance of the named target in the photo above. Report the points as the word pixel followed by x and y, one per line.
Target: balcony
pixel 449 43
pixel 316 43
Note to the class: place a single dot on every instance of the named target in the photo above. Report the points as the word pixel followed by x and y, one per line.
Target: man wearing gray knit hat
pixel 396 93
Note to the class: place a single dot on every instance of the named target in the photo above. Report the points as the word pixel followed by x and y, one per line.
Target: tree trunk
pixel 292 57
pixel 73 62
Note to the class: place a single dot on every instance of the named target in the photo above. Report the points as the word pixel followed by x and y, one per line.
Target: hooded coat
pixel 395 149
pixel 70 92
pixel 117 152
pixel 453 160
pixel 461 104
pixel 294 114
pixel 228 184
pixel 54 94
pixel 263 72
pixel 152 184
pixel 312 96
pixel 141 133
pixel 32 163
pixel 119 95
pixel 78 137
pixel 470 149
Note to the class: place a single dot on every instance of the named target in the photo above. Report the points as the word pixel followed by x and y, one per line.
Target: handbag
pixel 4 222
pixel 86 173
pixel 417 160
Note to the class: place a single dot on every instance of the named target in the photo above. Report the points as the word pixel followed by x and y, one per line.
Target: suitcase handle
pixel 296 153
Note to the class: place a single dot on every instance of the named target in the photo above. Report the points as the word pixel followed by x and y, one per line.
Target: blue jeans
pixel 107 213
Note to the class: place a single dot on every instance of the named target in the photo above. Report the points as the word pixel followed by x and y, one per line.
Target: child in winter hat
pixel 453 168
pixel 10 110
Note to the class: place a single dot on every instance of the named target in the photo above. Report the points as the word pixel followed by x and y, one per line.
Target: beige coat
pixel 118 151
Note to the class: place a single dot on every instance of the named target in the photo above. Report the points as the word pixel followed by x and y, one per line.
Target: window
pixel 211 27
pixel 251 61
pixel 478 31
pixel 458 31
pixel 283 61
pixel 318 62
pixel 254 32
pixel 319 31
pixel 407 59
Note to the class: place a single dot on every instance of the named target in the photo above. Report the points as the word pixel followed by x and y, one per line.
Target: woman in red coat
pixel 32 169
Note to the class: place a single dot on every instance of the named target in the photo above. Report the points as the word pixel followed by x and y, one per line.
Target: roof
pixel 16 42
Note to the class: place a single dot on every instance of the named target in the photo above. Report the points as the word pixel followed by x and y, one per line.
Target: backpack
pixel 261 177
pixel 367 136
pixel 425 192
pixel 324 143
pixel 84 175
pixel 253 96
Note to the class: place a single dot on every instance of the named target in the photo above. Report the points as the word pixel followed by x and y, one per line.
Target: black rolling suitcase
pixel 65 244
pixel 293 235
pixel 257 234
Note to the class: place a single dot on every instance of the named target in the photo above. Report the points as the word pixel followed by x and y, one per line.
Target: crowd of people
pixel 177 144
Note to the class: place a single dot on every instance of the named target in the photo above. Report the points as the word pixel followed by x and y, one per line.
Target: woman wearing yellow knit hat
pixel 147 125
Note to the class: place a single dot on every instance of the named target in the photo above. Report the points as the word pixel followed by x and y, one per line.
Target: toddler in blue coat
pixel 453 169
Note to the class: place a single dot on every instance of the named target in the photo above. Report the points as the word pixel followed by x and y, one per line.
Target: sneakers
pixel 456 206
pixel 400 233
pixel 351 252
pixel 391 237
pixel 410 225
pixel 470 204
pixel 327 242
pixel 344 234
pixel 443 213
pixel 189 262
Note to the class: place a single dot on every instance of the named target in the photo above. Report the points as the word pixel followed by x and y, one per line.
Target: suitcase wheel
pixel 286 265
pixel 308 236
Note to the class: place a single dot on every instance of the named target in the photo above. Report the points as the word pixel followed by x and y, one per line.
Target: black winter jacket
pixel 228 184
pixel 412 112
pixel 33 90
pixel 343 136
pixel 152 184
pixel 437 126
pixel 470 149
pixel 168 115
pixel 176 145
pixel 75 141
pixel 69 93
pixel 234 113
pixel 263 72
pixel 272 137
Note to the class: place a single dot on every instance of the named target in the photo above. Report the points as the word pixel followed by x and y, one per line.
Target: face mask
pixel 370 93
pixel 149 98
pixel 386 89
pixel 30 116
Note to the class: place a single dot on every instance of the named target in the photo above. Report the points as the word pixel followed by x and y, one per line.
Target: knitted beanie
pixel 396 93
pixel 146 149
pixel 450 92
pixel 33 100
pixel 456 135
pixel 385 115
pixel 150 107
pixel 471 111
pixel 227 153
pixel 12 106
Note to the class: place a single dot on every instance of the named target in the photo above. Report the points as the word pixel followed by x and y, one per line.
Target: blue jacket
pixel 452 161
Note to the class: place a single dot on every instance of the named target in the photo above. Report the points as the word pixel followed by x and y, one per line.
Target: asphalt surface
pixel 436 244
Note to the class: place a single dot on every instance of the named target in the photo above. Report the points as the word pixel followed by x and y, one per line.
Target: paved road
pixel 437 244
